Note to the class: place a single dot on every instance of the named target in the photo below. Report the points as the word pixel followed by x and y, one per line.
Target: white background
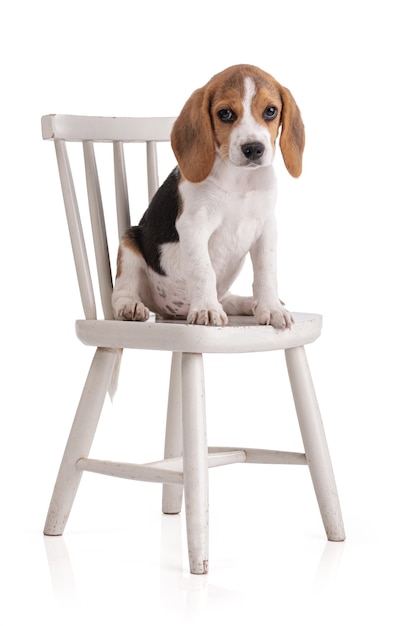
pixel 340 254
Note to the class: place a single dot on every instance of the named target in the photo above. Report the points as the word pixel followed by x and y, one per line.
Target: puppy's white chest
pixel 233 238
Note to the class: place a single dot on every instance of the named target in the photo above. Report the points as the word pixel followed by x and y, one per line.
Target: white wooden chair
pixel 187 456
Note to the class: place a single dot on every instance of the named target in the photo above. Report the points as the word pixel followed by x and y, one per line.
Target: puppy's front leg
pixel 268 308
pixel 199 274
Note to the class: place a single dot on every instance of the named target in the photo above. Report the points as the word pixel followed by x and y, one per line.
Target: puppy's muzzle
pixel 253 151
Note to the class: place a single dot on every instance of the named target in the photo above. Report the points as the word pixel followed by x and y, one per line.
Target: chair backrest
pixel 115 131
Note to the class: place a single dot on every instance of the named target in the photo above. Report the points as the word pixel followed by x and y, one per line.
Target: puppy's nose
pixel 253 151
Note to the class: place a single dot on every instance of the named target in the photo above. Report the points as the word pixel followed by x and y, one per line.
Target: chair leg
pixel 172 494
pixel 195 461
pixel 80 439
pixel 314 439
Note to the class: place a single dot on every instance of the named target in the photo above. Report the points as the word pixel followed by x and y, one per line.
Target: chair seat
pixel 242 334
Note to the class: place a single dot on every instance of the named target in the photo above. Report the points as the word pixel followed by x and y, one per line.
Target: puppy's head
pixel 237 115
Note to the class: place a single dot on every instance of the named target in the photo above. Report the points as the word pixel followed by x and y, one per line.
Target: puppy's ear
pixel 292 139
pixel 192 138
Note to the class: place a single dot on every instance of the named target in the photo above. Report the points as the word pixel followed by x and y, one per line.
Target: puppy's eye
pixel 270 113
pixel 227 116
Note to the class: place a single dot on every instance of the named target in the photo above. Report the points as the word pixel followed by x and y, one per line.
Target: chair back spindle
pixel 122 196
pixel 76 231
pixel 152 169
pixel 98 229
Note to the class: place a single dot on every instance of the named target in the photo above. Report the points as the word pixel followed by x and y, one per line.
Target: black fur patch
pixel 157 226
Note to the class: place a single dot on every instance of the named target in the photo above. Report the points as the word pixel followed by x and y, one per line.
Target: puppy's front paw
pixel 208 316
pixel 130 309
pixel 275 315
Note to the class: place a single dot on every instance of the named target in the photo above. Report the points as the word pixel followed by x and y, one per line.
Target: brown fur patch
pixel 192 138
pixel 292 139
pixel 129 242
pixel 126 242
pixel 266 96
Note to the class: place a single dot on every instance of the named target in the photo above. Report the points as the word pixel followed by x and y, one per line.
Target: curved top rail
pixel 106 129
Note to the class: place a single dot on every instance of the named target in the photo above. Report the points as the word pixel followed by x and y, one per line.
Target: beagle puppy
pixel 215 207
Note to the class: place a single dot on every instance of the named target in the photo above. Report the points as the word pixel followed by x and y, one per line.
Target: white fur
pixel 224 217
pixel 249 130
